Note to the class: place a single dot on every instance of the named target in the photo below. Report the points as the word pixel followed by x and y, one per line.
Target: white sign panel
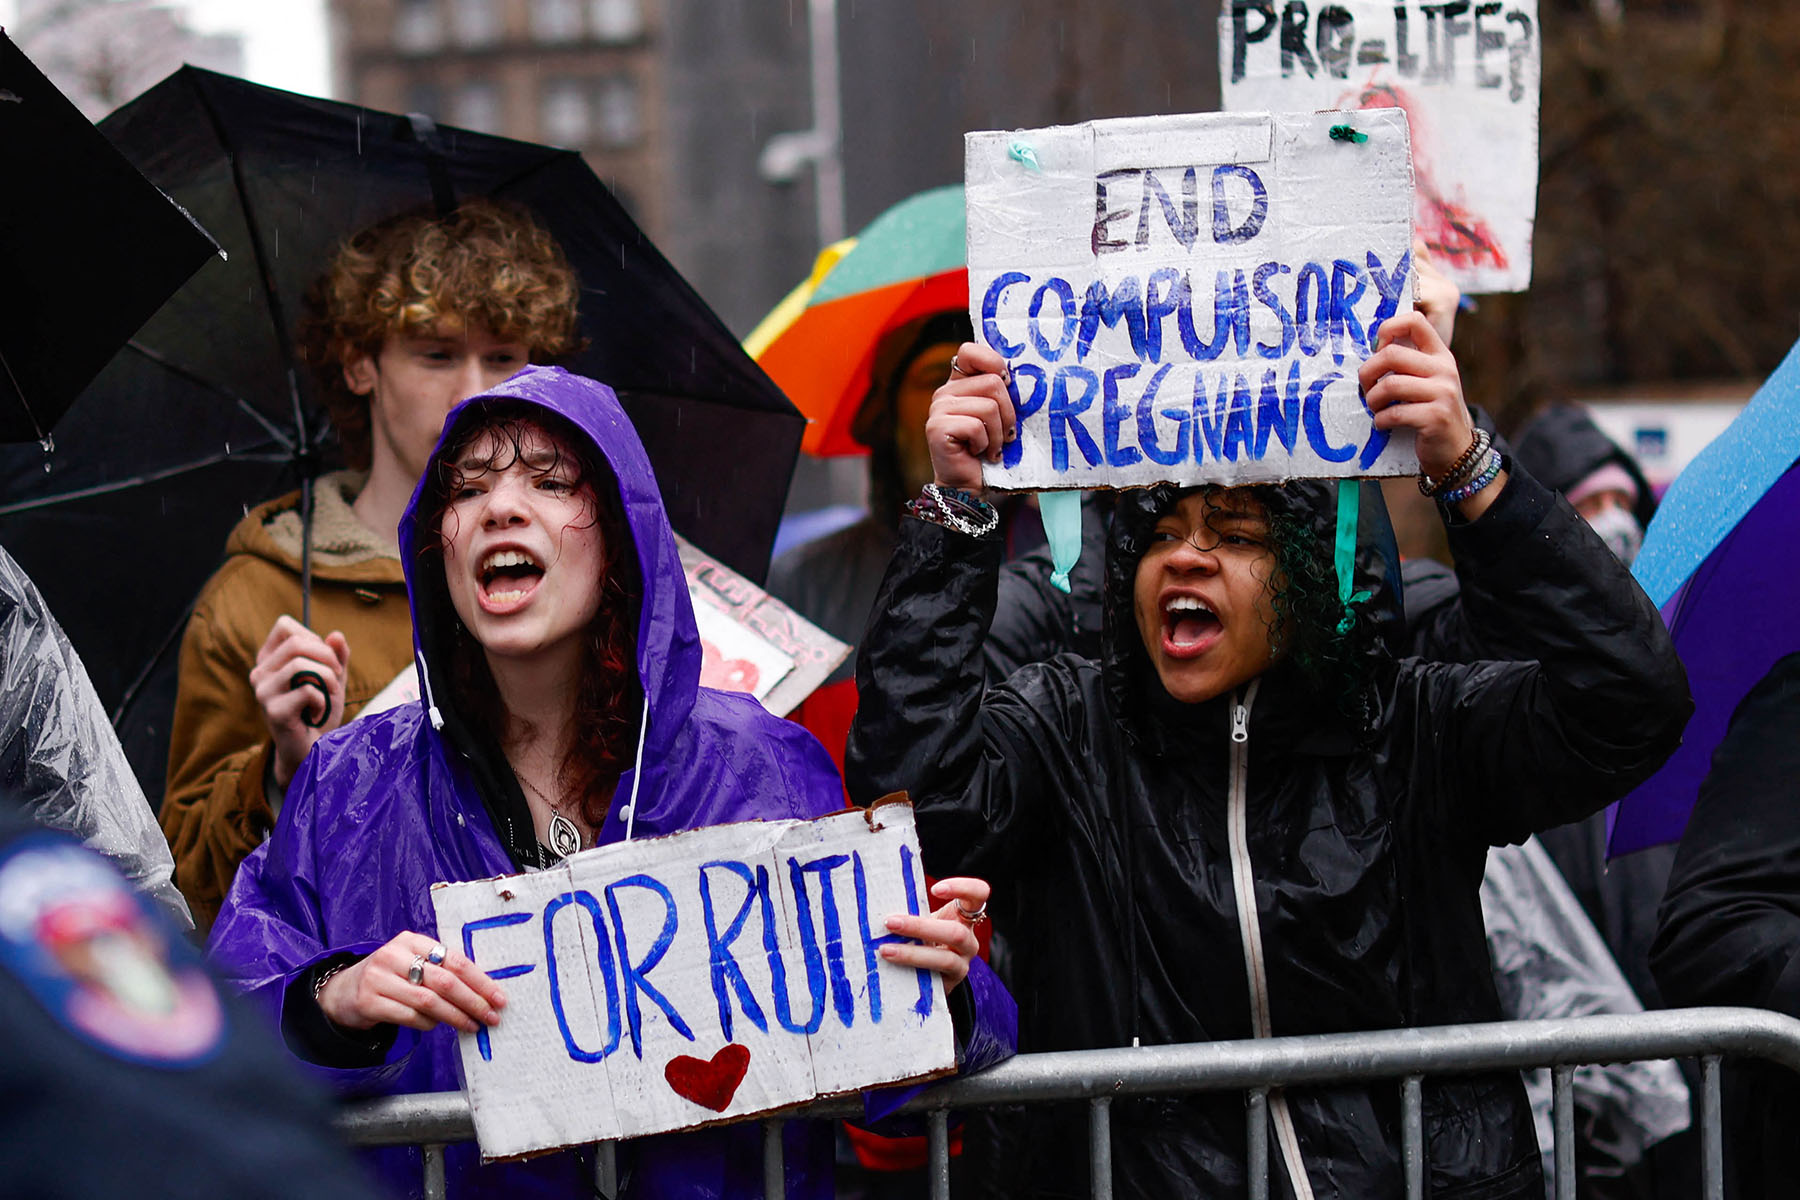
pixel 1187 299
pixel 703 977
pixel 1466 75
pixel 752 642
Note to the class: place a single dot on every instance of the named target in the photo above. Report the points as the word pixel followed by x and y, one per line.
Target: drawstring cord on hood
pixel 637 770
pixel 431 708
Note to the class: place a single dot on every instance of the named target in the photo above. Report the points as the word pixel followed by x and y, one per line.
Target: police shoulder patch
pixel 92 952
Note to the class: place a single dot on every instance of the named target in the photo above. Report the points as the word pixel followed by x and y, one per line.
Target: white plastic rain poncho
pixel 1550 961
pixel 59 758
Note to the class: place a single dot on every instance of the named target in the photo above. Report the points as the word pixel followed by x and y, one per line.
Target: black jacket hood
pixel 1562 446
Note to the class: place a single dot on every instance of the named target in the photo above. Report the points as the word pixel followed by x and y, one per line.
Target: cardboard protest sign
pixel 1188 298
pixel 752 642
pixel 749 642
pixel 1465 74
pixel 707 976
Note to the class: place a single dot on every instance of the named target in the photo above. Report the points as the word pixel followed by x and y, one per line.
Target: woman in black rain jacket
pixel 1241 739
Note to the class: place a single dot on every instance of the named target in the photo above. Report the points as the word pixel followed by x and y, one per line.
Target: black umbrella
pixel 206 414
pixel 73 213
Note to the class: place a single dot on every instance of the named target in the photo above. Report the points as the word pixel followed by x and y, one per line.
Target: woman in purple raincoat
pixel 534 738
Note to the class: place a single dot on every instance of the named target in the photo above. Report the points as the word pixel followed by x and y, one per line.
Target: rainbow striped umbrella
pixel 819 343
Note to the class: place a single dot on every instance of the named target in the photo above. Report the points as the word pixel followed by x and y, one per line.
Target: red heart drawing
pixel 710 1084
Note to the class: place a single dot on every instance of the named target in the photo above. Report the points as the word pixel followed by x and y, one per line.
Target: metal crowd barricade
pixel 1253 1067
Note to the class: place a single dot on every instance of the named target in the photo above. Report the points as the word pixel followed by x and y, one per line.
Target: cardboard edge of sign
pixel 875 826
pixel 784 1112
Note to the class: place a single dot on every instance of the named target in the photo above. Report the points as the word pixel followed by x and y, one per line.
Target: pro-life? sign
pixel 1465 73
pixel 1188 298
pixel 706 976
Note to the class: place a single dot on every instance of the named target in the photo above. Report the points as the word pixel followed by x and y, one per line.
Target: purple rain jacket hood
pixel 391 804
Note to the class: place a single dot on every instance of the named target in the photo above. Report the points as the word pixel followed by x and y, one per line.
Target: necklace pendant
pixel 565 839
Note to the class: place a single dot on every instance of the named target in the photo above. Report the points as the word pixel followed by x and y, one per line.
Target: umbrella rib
pixel 7 510
pixel 262 262
pixel 130 695
pixel 20 393
pixel 156 356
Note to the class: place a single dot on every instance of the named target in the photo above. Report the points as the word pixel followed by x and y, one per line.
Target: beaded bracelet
pixel 955 509
pixel 1461 470
pixel 1490 470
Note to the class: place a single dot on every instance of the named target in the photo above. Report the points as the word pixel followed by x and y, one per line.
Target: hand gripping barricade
pixel 1254 1067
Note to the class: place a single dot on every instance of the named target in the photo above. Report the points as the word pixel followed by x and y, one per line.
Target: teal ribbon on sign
pixel 1061 513
pixel 1349 511
pixel 1020 151
pixel 1348 133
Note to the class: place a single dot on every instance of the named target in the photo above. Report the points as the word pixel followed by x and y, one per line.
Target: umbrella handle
pixel 314 680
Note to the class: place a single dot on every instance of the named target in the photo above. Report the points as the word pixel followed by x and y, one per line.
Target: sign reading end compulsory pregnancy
pixel 706 976
pixel 1187 299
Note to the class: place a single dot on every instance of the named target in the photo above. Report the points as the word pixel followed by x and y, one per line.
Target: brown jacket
pixel 215 810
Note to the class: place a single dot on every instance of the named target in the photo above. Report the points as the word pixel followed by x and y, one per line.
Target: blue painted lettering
pixel 1312 282
pixel 1146 423
pixel 1269 300
pixel 469 930
pixel 1071 315
pixel 990 308
pixel 1063 414
pixel 1165 292
pixel 725 970
pixel 1101 307
pixel 842 999
pixel 1343 310
pixel 1023 408
pixel 636 976
pixel 1315 422
pixel 1114 414
pixel 1224 232
pixel 1278 413
pixel 603 956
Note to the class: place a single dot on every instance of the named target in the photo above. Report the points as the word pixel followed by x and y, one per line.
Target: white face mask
pixel 1620 531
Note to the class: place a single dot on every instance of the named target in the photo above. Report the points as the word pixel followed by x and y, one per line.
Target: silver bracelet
pixel 327 977
pixel 955 509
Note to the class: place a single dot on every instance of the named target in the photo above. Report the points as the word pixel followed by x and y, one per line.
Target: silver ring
pixel 972 916
pixel 956 367
pixel 415 974
pixel 435 955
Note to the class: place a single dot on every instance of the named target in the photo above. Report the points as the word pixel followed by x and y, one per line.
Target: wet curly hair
pixel 486 262
pixel 1309 616
pixel 608 699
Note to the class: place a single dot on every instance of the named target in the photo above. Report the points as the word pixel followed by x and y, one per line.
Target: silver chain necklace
pixel 565 835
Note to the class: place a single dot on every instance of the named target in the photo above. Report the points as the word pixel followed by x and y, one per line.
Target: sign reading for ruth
pixel 1187 299
pixel 702 977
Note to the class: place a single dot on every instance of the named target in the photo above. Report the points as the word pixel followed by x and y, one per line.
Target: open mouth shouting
pixel 507 579
pixel 1190 627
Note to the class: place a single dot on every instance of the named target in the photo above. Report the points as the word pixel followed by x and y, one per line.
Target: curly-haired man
pixel 414 314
